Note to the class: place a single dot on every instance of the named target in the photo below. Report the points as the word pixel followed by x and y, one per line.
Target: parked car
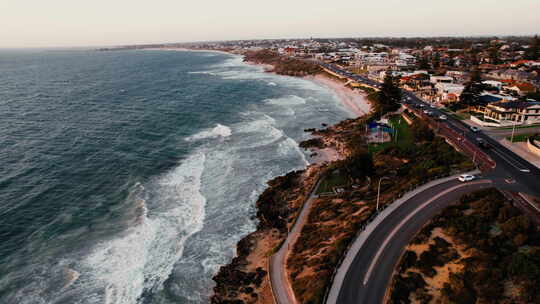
pixel 443 117
pixel 466 178
pixel 474 129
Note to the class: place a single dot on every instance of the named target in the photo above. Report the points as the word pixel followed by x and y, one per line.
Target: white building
pixel 493 83
pixel 448 91
pixel 519 112
pixel 441 79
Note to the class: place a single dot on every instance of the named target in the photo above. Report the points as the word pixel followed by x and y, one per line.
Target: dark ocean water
pixel 128 177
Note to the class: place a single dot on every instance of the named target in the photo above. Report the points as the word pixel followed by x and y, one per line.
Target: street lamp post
pixel 513 130
pixel 379 192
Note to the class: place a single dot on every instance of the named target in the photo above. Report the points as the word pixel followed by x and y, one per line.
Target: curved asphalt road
pixel 370 271
pixel 369 274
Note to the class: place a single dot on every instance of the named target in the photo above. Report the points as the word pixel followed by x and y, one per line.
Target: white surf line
pixel 406 219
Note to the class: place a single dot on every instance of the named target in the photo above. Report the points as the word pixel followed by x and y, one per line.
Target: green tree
pixel 476 76
pixel 423 63
pixel 533 53
pixel 358 165
pixel 473 88
pixel 421 131
pixel 494 55
pixel 436 62
pixel 389 96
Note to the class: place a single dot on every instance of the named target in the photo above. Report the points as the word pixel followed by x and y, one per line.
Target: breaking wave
pixel 203 73
pixel 218 131
pixel 143 258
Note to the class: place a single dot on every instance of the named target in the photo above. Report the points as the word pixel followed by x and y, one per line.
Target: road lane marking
pixel 407 218
pixel 512 162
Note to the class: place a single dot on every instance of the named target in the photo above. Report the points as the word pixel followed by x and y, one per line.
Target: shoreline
pixel 354 101
pixel 246 277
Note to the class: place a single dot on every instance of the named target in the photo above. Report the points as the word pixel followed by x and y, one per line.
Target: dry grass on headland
pixel 282 65
pixel 480 250
pixel 334 221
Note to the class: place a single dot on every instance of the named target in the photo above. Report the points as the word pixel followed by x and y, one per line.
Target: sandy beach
pixel 355 101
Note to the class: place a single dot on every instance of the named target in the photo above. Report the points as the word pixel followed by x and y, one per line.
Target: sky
pixel 63 23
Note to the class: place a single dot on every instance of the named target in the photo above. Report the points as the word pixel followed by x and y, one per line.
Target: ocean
pixel 129 176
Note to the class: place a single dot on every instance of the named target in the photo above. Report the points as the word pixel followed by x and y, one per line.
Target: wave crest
pixel 218 131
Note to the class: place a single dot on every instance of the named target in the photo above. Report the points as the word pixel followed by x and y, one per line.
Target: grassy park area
pixel 459 116
pixel 334 179
pixel 520 127
pixel 401 138
pixel 521 137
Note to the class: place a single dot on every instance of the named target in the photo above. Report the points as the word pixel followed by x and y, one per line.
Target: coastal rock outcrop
pixel 245 279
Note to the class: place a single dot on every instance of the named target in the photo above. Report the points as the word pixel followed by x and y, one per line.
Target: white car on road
pixel 466 178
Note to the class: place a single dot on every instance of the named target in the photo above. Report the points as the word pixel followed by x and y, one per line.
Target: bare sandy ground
pixel 354 100
pixel 324 155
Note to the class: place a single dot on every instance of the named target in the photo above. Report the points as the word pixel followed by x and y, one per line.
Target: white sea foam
pixel 234 61
pixel 262 130
pixel 287 112
pixel 273 84
pixel 203 72
pixel 143 257
pixel 289 146
pixel 290 100
pixel 218 131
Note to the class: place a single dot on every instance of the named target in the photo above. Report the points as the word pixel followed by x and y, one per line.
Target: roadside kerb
pixel 268 265
pixel 355 246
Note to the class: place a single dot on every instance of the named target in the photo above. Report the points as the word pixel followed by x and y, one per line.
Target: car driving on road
pixel 482 143
pixel 466 178
pixel 474 129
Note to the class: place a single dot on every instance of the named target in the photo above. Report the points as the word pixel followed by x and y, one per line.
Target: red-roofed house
pixel 524 62
pixel 522 88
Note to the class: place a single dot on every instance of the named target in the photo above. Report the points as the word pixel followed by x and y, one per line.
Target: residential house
pixel 448 92
pixel 522 88
pixel 441 79
pixel 514 112
pixel 494 83
pixel 509 74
